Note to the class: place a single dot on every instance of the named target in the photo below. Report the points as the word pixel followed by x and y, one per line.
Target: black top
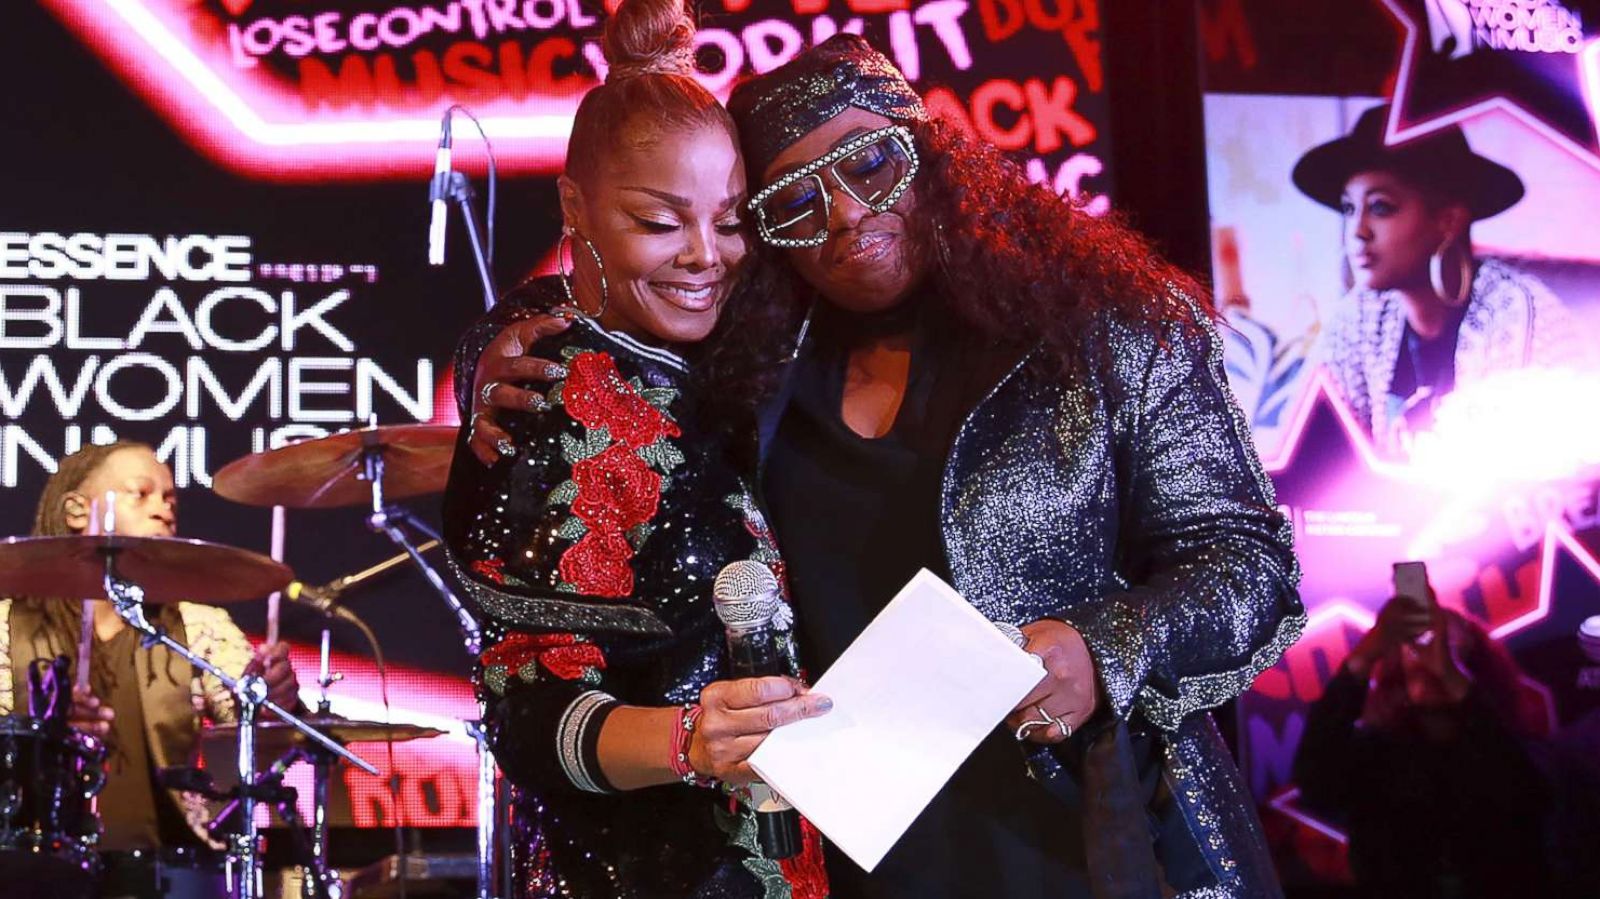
pixel 1428 818
pixel 134 810
pixel 1425 363
pixel 856 518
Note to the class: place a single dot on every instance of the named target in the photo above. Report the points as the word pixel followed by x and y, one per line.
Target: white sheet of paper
pixel 913 696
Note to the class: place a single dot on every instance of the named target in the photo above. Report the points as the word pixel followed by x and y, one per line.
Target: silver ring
pixel 472 423
pixel 488 389
pixel 504 446
pixel 1045 720
pixel 1028 727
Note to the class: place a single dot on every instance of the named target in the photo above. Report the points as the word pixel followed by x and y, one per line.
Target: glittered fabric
pixel 627 615
pixel 1131 503
pixel 776 109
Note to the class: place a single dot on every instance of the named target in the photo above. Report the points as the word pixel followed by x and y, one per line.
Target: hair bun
pixel 649 37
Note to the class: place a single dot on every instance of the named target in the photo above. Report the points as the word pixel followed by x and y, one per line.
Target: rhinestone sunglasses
pixel 874 168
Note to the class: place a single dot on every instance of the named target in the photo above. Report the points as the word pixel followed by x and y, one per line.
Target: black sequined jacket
pixel 591 548
pixel 1132 504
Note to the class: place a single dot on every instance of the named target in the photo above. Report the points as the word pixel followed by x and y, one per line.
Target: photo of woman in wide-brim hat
pixel 1424 313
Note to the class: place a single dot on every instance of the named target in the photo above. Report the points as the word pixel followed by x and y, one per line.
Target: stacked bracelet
pixel 679 759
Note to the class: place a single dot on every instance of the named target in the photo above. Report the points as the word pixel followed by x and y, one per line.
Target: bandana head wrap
pixel 776 109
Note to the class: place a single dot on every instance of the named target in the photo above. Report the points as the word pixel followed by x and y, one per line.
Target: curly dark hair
pixel 1012 262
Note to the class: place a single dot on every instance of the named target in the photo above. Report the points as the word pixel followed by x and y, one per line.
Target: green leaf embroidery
pixel 661 455
pixel 671 456
pixel 639 533
pixel 571 529
pixel 564 587
pixel 495 677
pixel 564 494
pixel 556 393
pixel 773 886
pixel 569 353
pixel 659 397
pixel 571 448
pixel 636 384
pixel 592 443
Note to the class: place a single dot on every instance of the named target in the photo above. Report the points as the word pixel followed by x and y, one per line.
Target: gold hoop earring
pixel 605 292
pixel 1436 277
pixel 566 279
pixel 561 266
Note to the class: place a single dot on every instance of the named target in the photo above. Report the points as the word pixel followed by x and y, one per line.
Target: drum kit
pixel 50 773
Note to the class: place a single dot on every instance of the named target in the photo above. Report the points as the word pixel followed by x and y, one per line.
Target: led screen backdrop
pixel 1491 482
pixel 213 241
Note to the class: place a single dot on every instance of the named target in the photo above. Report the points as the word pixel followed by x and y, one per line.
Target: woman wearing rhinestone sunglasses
pixel 963 373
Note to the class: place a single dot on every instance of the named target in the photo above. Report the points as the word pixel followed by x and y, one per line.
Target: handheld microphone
pixel 746 597
pixel 437 189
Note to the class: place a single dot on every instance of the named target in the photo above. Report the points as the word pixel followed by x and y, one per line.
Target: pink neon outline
pixel 1320 385
pixel 233 120
pixel 1285 802
pixel 1555 534
pixel 1395 133
pixel 1589 78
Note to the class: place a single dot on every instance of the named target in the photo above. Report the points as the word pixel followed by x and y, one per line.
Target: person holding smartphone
pixel 1419 747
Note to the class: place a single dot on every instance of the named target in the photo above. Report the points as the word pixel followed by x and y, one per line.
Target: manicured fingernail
pixel 537 403
pixel 504 447
pixel 824 704
pixel 555 372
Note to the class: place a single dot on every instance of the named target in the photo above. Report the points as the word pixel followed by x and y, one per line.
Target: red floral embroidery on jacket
pixel 563 655
pixel 598 563
pixel 806 873
pixel 616 490
pixel 490 570
pixel 597 396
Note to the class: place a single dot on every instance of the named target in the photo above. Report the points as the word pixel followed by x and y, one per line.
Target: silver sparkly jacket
pixel 1132 504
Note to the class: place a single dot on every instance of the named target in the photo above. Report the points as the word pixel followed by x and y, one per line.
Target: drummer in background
pixel 146 703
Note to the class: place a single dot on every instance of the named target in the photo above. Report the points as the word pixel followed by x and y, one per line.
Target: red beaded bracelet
pixel 679 759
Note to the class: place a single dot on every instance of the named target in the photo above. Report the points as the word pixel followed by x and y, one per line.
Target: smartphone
pixel 1411 581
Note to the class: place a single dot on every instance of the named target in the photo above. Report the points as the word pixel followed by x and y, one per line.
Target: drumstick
pixel 86 632
pixel 277 556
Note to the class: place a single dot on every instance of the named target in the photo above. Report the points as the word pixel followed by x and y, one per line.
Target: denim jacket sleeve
pixel 1211 599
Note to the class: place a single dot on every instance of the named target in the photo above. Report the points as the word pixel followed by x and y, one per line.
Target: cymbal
pixel 275 737
pixel 327 472
pixel 168 568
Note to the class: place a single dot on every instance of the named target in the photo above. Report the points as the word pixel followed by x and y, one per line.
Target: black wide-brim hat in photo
pixel 1440 160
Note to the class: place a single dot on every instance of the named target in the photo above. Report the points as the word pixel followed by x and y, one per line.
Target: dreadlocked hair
pixel 62 617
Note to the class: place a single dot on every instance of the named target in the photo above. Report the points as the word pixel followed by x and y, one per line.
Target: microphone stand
pixel 389 520
pixel 244 849
pixel 457 188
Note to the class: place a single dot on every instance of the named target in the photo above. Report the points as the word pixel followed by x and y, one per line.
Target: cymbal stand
pixel 323 883
pixel 388 520
pixel 244 849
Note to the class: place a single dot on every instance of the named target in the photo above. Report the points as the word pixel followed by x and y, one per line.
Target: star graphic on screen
pixel 1354 513
pixel 1456 63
